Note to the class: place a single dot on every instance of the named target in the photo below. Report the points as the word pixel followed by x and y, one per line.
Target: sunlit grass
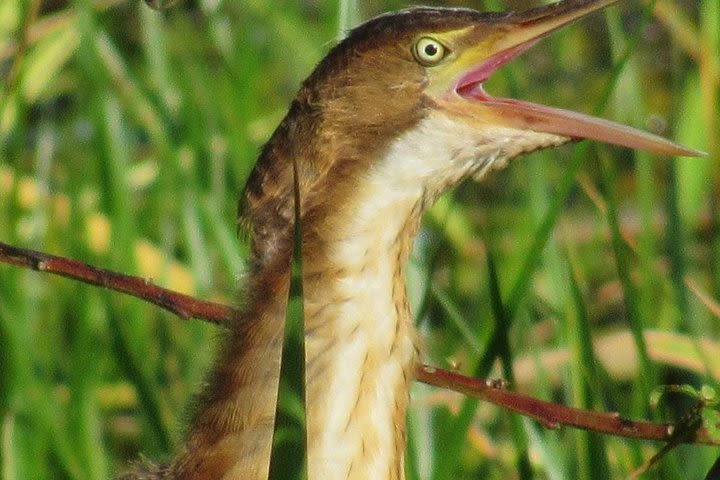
pixel 126 135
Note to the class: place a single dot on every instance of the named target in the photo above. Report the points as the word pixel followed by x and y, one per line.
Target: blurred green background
pixel 127 133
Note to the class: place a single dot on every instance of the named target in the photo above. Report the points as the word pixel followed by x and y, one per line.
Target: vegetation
pixel 126 134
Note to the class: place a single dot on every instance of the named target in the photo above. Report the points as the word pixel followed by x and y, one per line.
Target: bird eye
pixel 429 51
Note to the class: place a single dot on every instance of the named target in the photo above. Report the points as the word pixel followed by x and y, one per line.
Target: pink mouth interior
pixel 470 84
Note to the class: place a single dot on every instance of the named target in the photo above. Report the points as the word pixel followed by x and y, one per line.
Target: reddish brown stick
pixel 184 306
pixel 551 415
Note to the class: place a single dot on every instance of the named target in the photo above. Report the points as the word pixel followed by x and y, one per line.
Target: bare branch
pixel 184 306
pixel 553 415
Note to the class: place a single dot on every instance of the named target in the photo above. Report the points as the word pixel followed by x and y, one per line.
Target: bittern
pixel 391 118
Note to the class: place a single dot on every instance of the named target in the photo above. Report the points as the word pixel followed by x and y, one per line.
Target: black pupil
pixel 431 50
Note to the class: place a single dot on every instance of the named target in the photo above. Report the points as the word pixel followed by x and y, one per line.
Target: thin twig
pixel 551 415
pixel 184 306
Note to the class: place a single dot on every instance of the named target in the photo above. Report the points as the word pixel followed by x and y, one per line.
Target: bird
pixel 394 116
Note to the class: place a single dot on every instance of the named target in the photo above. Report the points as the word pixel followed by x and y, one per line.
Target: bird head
pixel 402 97
pixel 398 68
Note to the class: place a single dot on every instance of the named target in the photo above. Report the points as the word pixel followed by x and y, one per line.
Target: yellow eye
pixel 429 51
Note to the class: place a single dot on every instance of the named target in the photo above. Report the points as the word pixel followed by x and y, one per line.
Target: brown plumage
pixel 391 118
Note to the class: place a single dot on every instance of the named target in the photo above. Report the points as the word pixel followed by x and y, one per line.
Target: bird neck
pixel 358 334
pixel 360 353
pixel 359 345
pixel 231 435
pixel 360 213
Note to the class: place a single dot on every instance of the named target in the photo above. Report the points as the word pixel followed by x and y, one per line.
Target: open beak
pixel 492 44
